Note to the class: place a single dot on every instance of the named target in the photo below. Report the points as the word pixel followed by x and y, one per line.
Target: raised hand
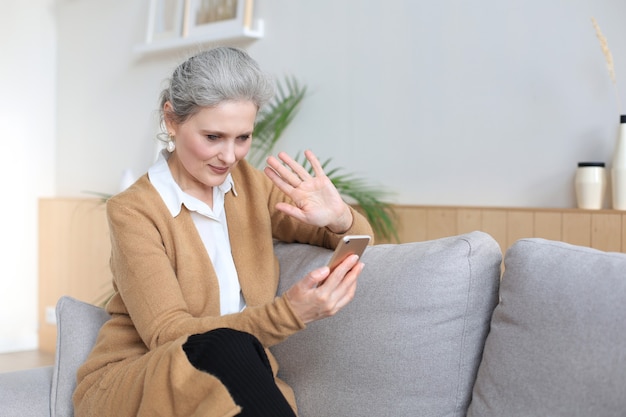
pixel 316 200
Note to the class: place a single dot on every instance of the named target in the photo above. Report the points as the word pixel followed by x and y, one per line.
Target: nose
pixel 227 152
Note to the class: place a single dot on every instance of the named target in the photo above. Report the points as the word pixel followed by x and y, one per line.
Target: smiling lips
pixel 219 170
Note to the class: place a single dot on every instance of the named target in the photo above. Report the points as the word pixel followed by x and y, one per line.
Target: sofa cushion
pixel 78 324
pixel 410 342
pixel 24 393
pixel 557 344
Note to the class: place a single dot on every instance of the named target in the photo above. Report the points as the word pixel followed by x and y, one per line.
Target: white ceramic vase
pixel 590 183
pixel 618 169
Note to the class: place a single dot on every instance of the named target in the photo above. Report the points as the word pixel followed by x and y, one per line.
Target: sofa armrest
pixel 26 393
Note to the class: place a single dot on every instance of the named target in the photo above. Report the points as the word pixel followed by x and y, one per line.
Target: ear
pixel 170 125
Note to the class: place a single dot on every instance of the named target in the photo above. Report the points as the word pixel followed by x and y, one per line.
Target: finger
pixel 280 182
pixel 315 163
pixel 290 210
pixel 349 286
pixel 295 167
pixel 287 175
pixel 345 291
pixel 338 274
pixel 277 180
pixel 315 277
pixel 350 278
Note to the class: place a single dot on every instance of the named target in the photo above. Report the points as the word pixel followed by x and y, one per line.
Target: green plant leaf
pixel 271 124
pixel 274 119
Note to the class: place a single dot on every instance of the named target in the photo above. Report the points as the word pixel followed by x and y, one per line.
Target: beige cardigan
pixel 166 290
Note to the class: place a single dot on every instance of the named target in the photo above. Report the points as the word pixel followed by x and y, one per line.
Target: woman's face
pixel 210 144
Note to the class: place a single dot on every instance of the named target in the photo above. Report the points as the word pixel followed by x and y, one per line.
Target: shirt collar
pixel 174 197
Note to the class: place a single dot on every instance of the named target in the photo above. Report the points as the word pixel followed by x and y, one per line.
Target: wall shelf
pixel 231 37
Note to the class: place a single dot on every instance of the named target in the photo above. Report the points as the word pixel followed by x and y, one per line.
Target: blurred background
pixel 452 102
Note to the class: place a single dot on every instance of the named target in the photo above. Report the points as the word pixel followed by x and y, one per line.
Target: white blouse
pixel 211 225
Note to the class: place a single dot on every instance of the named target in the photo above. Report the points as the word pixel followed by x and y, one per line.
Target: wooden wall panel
pixel 520 224
pixel 600 229
pixel 411 224
pixel 548 225
pixel 494 223
pixel 74 251
pixel 441 222
pixel 605 231
pixel 623 233
pixel 577 228
pixel 468 220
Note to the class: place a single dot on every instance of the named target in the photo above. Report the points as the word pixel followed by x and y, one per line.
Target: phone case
pixel 348 245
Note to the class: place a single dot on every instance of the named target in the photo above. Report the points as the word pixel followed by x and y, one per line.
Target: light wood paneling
pixel 74 252
pixel 519 224
pixel 605 232
pixel 494 223
pixel 469 220
pixel 411 224
pixel 600 229
pixel 577 228
pixel 441 222
pixel 548 225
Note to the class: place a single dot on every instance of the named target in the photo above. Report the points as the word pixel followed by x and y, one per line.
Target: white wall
pixel 27 116
pixel 448 102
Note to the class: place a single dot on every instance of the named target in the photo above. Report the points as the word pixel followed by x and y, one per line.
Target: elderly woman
pixel 195 307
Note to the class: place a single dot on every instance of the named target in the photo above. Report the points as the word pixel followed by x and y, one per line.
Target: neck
pixel 188 184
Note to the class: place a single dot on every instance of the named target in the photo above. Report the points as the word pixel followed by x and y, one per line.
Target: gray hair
pixel 212 77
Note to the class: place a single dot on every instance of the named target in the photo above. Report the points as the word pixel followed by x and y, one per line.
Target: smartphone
pixel 348 245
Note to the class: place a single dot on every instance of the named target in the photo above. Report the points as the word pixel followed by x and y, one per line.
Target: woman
pixel 195 308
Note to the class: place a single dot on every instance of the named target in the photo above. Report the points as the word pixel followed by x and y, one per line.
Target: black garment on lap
pixel 239 361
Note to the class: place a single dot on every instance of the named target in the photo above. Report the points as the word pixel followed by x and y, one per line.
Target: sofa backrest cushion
pixel 557 344
pixel 78 324
pixel 410 342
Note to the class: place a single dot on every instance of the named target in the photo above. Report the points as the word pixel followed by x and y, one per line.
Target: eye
pixel 212 137
pixel 244 138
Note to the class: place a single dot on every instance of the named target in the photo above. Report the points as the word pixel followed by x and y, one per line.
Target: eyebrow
pixel 220 133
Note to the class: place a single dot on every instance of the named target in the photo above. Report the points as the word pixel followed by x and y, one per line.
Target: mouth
pixel 219 170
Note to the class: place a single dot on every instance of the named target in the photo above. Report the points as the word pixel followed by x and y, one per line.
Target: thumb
pixel 317 276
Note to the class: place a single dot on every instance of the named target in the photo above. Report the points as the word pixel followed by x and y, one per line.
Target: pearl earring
pixel 170 144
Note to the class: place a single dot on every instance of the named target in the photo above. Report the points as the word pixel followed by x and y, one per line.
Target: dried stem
pixel 609 60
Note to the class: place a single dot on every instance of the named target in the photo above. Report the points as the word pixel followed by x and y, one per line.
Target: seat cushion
pixel 25 393
pixel 557 344
pixel 410 342
pixel 78 324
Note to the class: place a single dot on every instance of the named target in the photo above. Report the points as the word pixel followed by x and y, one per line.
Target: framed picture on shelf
pixel 215 17
pixel 165 20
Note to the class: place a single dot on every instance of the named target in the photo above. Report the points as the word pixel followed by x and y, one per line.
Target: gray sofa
pixel 433 331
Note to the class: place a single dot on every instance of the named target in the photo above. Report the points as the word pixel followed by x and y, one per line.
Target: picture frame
pixel 165 20
pixel 208 18
pixel 176 24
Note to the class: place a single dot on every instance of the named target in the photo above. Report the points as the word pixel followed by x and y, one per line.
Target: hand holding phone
pixel 348 245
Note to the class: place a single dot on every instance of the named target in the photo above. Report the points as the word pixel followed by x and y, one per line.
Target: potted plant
pixel 271 124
